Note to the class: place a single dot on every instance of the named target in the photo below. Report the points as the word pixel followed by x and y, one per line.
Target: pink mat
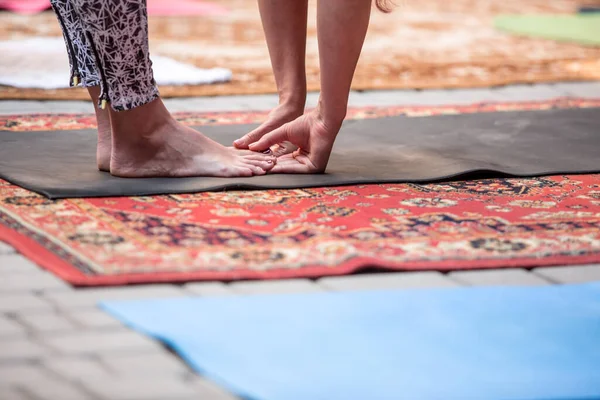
pixel 184 8
pixel 155 7
pixel 24 6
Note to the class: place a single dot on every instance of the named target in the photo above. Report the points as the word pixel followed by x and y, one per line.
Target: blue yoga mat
pixel 469 343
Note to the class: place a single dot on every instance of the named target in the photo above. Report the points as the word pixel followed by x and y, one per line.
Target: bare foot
pixel 277 117
pixel 148 142
pixel 104 146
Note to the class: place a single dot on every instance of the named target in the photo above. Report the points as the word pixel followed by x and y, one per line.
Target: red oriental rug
pixel 306 232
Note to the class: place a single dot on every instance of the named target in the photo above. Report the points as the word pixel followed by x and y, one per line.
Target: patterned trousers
pixel 107 43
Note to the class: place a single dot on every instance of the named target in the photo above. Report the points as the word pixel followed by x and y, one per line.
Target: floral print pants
pixel 107 43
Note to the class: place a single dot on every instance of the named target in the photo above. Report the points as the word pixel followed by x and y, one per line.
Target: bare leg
pixel 284 23
pixel 342 27
pixel 104 147
pixel 148 142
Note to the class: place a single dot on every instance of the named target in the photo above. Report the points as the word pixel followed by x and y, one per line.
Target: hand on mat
pixel 277 117
pixel 314 139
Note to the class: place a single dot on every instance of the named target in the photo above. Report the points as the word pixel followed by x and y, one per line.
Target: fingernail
pixel 239 141
pixel 267 151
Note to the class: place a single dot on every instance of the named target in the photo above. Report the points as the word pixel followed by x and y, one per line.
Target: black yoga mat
pixel 61 164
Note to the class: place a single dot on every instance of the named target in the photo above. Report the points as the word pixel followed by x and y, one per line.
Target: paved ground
pixel 357 99
pixel 54 343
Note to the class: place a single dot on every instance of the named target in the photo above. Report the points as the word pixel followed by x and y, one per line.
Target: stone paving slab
pixel 52 389
pixel 38 383
pixel 48 322
pixel 86 298
pixel 10 328
pixel 13 263
pixel 497 277
pixel 393 280
pixel 93 343
pixel 149 364
pixel 43 281
pixel 171 388
pixel 427 97
pixel 536 92
pixel 222 103
pixel 209 289
pixel 571 274
pixel 579 89
pixel 5 248
pixel 92 319
pixel 275 286
pixel 78 369
pixel 15 107
pixel 22 349
pixel 208 390
pixel 12 393
pixel 11 303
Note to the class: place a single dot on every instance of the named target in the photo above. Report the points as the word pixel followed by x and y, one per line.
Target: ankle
pixel 142 124
pixel 150 137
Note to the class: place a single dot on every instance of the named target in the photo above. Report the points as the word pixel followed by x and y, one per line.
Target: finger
pixel 260 157
pixel 283 149
pixel 290 167
pixel 274 137
pixel 266 165
pixel 286 158
pixel 253 136
pixel 263 155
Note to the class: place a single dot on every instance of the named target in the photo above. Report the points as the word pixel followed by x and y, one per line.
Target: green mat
pixel 583 29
